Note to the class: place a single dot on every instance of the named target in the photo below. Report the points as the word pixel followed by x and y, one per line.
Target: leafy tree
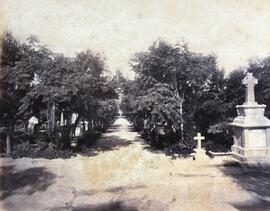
pixel 38 82
pixel 171 83
pixel 234 92
pixel 261 70
pixel 10 96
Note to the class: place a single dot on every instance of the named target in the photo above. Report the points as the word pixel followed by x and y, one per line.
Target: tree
pixel 10 96
pixel 38 82
pixel 234 93
pixel 261 70
pixel 184 74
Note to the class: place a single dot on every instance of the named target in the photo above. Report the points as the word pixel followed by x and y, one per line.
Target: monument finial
pixel 250 81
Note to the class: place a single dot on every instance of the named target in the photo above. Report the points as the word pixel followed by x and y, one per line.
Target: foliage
pixel 176 87
pixel 261 70
pixel 38 82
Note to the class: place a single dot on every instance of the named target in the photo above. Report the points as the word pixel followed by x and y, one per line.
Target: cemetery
pixel 152 131
pixel 172 130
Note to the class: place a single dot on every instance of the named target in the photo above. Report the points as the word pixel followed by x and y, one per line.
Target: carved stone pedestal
pixel 251 134
pixel 251 129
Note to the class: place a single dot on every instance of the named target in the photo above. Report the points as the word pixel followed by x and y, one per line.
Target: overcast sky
pixel 234 30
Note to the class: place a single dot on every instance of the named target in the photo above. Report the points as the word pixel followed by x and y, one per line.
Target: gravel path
pixel 124 173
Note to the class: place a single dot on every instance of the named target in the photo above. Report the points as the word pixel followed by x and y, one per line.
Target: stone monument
pixel 251 129
pixel 200 152
pixel 32 122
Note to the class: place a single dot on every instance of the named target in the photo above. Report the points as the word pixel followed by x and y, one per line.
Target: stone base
pixel 251 116
pixel 255 155
pixel 251 134
pixel 200 154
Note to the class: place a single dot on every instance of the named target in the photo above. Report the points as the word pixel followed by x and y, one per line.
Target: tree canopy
pixel 39 82
pixel 176 86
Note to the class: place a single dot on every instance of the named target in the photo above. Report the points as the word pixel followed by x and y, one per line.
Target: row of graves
pixel 35 128
pixel 34 121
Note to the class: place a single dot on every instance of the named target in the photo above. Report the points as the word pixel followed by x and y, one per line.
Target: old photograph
pixel 134 105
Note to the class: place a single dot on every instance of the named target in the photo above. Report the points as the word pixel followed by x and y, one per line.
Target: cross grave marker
pixel 199 139
pixel 250 81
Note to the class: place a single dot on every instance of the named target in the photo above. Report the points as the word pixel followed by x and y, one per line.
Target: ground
pixel 124 173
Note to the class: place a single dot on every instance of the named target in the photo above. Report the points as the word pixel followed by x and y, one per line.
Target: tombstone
pixel 73 118
pixel 200 152
pixel 62 122
pixel 120 113
pixel 86 125
pixel 78 131
pixel 31 124
pixel 199 139
pixel 251 129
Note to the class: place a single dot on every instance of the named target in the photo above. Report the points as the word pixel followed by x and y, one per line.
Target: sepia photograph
pixel 134 105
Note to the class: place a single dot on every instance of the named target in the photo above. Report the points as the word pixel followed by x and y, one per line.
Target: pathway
pixel 124 173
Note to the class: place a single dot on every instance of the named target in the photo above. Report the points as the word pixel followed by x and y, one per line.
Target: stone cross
pixel 62 122
pixel 249 81
pixel 199 138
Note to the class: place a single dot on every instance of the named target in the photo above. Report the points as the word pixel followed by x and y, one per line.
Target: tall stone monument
pixel 251 129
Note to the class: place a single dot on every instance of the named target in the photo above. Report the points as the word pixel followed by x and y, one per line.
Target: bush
pixel 180 151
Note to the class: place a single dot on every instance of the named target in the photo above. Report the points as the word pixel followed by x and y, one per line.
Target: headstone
pixel 62 123
pixel 32 122
pixel 199 139
pixel 78 131
pixel 120 113
pixel 86 125
pixel 251 129
pixel 73 118
pixel 200 152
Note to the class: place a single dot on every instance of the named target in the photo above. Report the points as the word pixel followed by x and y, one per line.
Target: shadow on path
pixel 26 181
pixel 113 139
pixel 110 143
pixel 111 206
pixel 255 180
pixel 118 205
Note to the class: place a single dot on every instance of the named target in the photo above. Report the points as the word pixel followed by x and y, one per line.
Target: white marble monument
pixel 251 129
pixel 200 152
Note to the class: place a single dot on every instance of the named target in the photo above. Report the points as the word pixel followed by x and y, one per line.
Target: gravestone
pixel 86 125
pixel 199 139
pixel 73 118
pixel 62 122
pixel 251 129
pixel 200 152
pixel 31 123
pixel 78 131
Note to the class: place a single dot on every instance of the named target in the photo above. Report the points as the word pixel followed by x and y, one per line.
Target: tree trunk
pixel 8 141
pixel 53 116
pixel 25 126
pixel 48 119
pixel 181 101
pixel 83 129
pixel 181 119
pixel 92 124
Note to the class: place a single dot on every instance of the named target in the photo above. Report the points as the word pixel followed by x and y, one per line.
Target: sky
pixel 233 30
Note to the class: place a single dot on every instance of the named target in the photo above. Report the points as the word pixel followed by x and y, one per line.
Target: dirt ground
pixel 124 173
